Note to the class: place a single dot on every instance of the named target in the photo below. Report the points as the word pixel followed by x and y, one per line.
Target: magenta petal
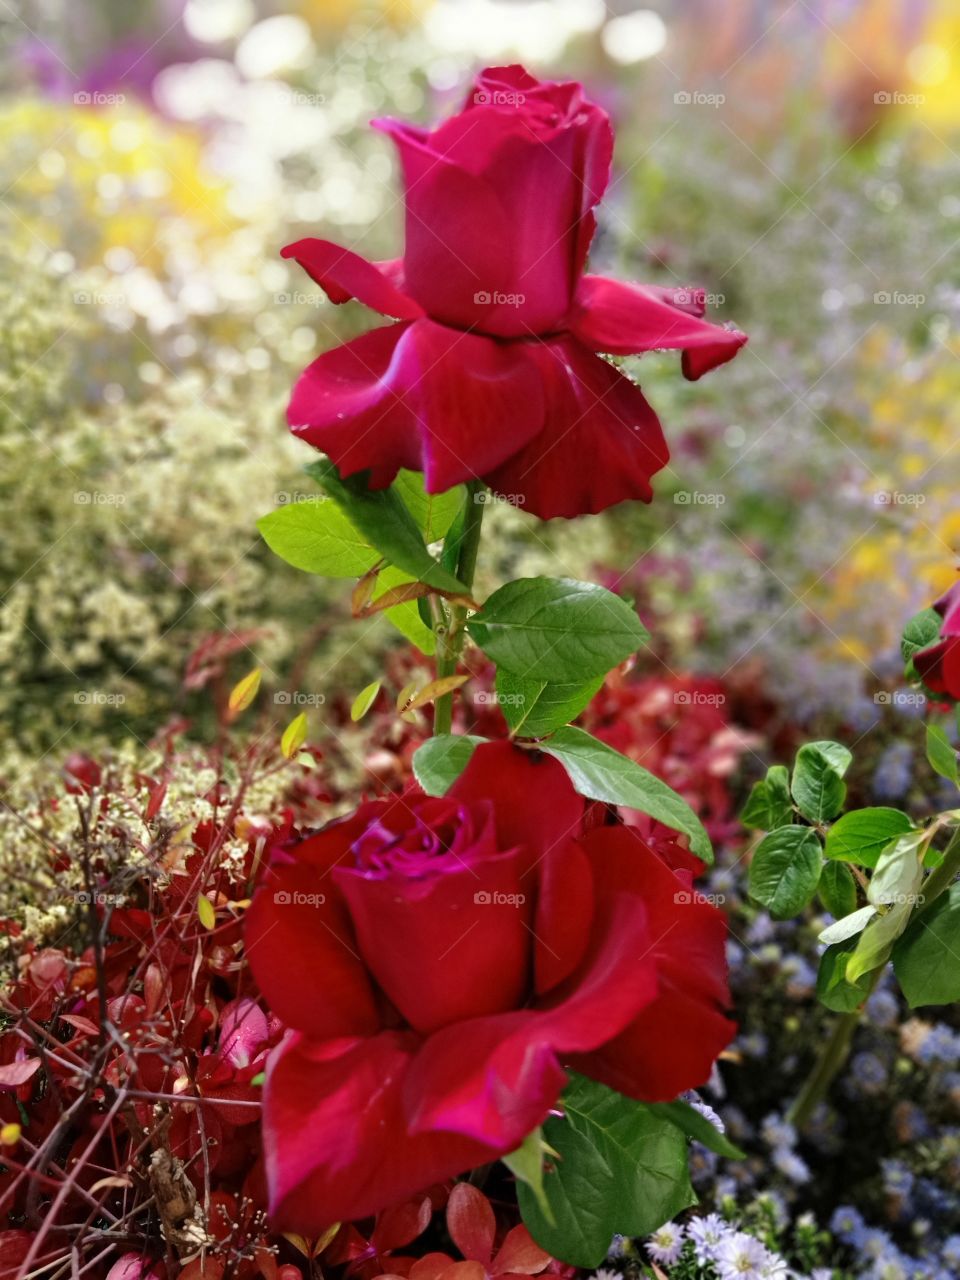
pixel 343 274
pixel 626 319
pixel 601 445
pixel 351 404
pixel 336 1138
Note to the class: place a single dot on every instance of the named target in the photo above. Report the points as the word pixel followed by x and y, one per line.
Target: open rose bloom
pixel 442 963
pixel 493 370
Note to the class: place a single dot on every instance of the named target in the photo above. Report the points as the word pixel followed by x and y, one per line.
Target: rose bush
pixel 493 370
pixel 939 665
pixel 440 964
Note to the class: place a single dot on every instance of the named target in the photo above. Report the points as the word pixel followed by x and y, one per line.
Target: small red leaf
pixel 471 1223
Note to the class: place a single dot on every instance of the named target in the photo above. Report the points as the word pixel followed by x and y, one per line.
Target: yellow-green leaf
pixel 244 692
pixel 205 912
pixel 294 736
pixel 364 701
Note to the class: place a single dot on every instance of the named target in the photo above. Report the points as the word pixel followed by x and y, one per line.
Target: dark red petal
pixel 447 946
pixel 495 1079
pixel 535 804
pixel 471 1223
pixel 601 444
pixel 343 275
pixel 351 404
pixel 476 400
pixel 565 906
pixel 336 1139
pixel 672 1043
pixel 626 319
pixel 304 955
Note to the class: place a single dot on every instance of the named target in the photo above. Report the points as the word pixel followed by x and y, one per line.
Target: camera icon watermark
pixel 486 298
pixel 290 497
pixel 286 898
pixel 297 698
pixel 484 497
pixel 490 697
pixel 494 898
pixel 909 698
pixel 88 898
pixel 298 298
pixel 695 498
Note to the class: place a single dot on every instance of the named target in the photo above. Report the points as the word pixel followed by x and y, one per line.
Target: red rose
pixel 939 666
pixel 492 371
pixel 441 962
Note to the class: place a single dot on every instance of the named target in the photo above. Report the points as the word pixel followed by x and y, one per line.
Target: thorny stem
pixel 836 1048
pixel 448 629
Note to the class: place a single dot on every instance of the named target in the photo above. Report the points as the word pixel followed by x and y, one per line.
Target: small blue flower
pixel 847 1224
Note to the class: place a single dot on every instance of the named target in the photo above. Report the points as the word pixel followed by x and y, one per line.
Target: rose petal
pixel 593 413
pixel 343 274
pixel 625 319
pixel 336 1139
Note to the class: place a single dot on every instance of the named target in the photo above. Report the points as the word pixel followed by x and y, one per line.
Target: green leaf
pixel 769 805
pixel 439 762
pixel 318 538
pixel 364 701
pixel 921 631
pixel 621 1168
pixel 861 836
pixel 848 926
pixel 696 1125
pixel 533 708
pixel 837 889
pixel 526 1165
pixel 893 890
pixel 600 773
pixel 926 959
pixel 833 988
pixel 383 519
pixel 434 513
pixel 556 629
pixel 940 753
pixel 785 870
pixel 818 785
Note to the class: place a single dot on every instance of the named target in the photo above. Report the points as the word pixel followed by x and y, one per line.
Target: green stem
pixel 836 1049
pixel 448 628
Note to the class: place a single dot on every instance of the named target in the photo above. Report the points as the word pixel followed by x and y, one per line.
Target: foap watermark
pixel 298 98
pixel 896 98
pixel 698 698
pixel 494 898
pixel 697 98
pixel 98 698
pixel 897 298
pixel 94 98
pixel 697 298
pixel 298 298
pixel 499 98
pixel 694 498
pixel 491 697
pixel 294 898
pixel 297 698
pixel 97 498
pixel 895 498
pixel 496 298
pixel 93 897
pixel 98 298
pixel 289 497
pixel 909 698
pixel 506 499
pixel 693 897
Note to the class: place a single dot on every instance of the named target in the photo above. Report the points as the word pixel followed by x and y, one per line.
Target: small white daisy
pixel 604 1273
pixel 707 1234
pixel 666 1244
pixel 741 1257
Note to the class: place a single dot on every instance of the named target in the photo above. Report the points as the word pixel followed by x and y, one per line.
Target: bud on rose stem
pixel 836 1049
pixel 449 632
